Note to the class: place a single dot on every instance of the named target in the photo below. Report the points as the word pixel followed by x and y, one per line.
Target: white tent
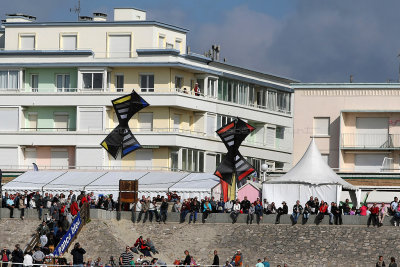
pixel 310 177
pixel 107 182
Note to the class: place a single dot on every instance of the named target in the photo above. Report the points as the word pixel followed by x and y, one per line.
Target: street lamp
pixel 264 169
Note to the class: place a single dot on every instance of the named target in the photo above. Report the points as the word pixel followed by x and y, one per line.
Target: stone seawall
pixel 298 245
pixel 98 214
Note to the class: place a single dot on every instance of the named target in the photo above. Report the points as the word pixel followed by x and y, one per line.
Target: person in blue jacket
pixel 206 210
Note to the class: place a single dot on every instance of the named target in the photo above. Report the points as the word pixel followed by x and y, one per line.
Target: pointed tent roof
pixel 312 169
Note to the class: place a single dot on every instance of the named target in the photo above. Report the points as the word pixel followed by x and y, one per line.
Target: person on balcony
pixel 196 89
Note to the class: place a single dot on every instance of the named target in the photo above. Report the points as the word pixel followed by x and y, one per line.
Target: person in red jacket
pixel 322 211
pixel 374 209
pixel 74 208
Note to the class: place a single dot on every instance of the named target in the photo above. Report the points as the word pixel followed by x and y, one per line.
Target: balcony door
pixel 372 132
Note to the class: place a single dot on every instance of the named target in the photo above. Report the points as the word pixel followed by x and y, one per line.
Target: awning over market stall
pixel 107 182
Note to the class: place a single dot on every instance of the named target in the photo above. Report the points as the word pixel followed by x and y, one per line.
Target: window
pixel 27 42
pixel 280 132
pixel 321 126
pixel 61 121
pixel 178 44
pixel 59 157
pixel 192 160
pixel 169 46
pixel 69 42
pixel 161 41
pixel 119 82
pixel 119 46
pixel 9 79
pixel 261 96
pixel 63 82
pixel 34 82
pixel 279 165
pixel 271 102
pixel 92 81
pixel 9 119
pixel 283 100
pixel 178 82
pixel 211 87
pixel 146 121
pixel 210 125
pixel 147 82
pixel 174 160
pixel 91 118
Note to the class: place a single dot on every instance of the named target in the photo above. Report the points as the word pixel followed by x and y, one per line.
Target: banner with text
pixel 67 238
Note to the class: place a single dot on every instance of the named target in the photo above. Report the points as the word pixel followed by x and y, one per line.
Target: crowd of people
pixel 62 207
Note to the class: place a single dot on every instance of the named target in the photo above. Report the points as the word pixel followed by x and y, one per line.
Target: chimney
pixel 129 14
pixel 85 18
pixel 97 16
pixel 19 17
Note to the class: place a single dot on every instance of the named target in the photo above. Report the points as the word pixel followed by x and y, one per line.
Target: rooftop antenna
pixel 76 9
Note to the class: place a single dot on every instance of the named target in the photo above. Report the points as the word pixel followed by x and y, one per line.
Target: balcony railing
pixel 144 91
pixel 276 145
pixel 370 141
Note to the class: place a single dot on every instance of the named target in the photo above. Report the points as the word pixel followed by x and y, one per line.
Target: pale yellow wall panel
pixel 161 157
pixel 129 160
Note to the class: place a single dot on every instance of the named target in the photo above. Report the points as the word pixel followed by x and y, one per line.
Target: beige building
pixel 356 126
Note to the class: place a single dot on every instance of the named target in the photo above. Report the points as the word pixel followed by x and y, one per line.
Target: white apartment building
pixel 57 80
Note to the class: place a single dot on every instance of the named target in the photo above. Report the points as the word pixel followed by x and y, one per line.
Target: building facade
pixel 57 80
pixel 356 126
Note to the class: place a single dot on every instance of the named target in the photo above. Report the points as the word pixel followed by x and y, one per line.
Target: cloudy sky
pixel 307 40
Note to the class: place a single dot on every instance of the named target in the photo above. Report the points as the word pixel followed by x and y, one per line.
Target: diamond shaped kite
pixel 232 135
pixel 122 137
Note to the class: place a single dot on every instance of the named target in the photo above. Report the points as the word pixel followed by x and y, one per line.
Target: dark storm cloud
pixel 320 41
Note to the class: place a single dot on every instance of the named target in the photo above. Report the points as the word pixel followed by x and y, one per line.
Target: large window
pixel 271 101
pixel 63 82
pixel 119 46
pixel 283 100
pixel 8 79
pixel 178 82
pixel 119 82
pixel 61 121
pixel 147 82
pixel 192 160
pixel 146 121
pixel 27 42
pixel 161 41
pixel 178 43
pixel 321 126
pixel 34 82
pixel 174 160
pixel 69 41
pixel 92 81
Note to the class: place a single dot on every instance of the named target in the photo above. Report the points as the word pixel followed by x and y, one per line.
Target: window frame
pixel 63 88
pixel 314 126
pixel 117 88
pixel 64 34
pixel 22 35
pixel 146 89
pixel 8 79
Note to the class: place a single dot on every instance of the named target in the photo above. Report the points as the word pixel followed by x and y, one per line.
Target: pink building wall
pixel 43 156
pixel 250 191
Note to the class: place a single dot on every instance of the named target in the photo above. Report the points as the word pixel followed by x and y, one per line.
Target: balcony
pixel 183 92
pixel 370 141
